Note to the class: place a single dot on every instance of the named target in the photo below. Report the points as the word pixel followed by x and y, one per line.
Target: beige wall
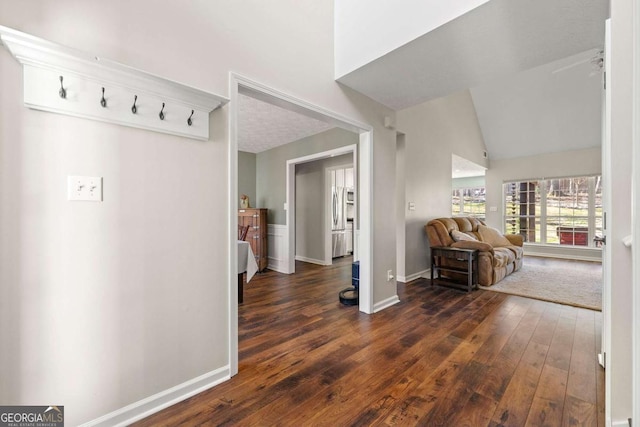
pixel 104 304
pixel 433 132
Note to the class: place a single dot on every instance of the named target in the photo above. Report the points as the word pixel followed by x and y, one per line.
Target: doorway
pixel 241 85
pixel 322 205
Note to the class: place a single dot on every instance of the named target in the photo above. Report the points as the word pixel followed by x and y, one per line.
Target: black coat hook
pixel 189 121
pixel 134 109
pixel 161 115
pixel 103 101
pixel 62 92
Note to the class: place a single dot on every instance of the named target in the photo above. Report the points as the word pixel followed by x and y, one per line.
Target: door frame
pixel 635 217
pixel 239 84
pixel 604 357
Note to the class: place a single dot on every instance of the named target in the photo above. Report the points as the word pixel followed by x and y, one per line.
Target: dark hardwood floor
pixel 438 358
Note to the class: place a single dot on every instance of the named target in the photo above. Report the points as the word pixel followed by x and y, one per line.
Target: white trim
pixel 159 401
pixel 593 255
pixel 86 74
pixel 426 274
pixel 232 221
pixel 365 236
pixel 635 217
pixel 277 248
pixel 311 260
pixel 623 423
pixel 381 305
pixel 607 188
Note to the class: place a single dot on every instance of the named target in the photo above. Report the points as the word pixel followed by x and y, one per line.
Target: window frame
pixel 483 190
pixel 543 217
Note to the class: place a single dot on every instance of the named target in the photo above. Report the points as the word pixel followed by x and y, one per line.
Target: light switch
pixel 412 206
pixel 87 188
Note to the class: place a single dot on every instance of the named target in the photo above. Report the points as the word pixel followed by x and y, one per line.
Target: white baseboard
pixel 379 306
pixel 558 256
pixel 623 423
pixel 152 404
pixel 580 253
pixel 310 260
pixel 421 274
pixel 276 265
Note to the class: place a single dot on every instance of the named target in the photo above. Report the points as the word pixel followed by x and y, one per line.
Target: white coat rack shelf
pixel 64 80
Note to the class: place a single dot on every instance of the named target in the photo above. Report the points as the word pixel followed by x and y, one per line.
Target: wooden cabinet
pixel 256 219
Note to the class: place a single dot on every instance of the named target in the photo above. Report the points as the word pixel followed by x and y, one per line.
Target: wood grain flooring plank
pixel 513 408
pixel 579 413
pixel 548 402
pixel 582 371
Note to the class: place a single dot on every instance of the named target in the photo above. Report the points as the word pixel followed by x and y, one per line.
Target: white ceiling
pixel 262 126
pixel 463 168
pixel 497 39
pixel 554 107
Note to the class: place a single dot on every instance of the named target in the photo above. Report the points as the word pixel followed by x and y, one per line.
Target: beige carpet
pixel 562 284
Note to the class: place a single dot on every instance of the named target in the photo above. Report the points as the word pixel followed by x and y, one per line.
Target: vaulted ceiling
pixel 527 64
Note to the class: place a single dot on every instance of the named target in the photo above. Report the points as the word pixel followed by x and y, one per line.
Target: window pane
pixel 468 202
pixel 567 209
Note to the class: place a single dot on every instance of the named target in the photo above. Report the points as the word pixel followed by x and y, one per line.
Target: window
pixel 564 211
pixel 468 202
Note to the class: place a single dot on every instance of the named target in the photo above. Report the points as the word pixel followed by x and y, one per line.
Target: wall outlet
pixel 389 275
pixel 412 206
pixel 86 188
pixel 493 209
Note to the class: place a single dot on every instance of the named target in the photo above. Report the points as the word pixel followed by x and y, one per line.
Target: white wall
pixel 366 30
pixel 100 300
pixel 539 110
pixel 620 218
pixel 433 132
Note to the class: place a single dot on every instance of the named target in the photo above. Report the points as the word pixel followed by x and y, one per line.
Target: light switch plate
pixel 412 206
pixel 84 188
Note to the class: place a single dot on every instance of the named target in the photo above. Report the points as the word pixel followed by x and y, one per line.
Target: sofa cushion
pixel 467 223
pixel 492 236
pixel 517 251
pixel 473 244
pixel 459 236
pixel 502 257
